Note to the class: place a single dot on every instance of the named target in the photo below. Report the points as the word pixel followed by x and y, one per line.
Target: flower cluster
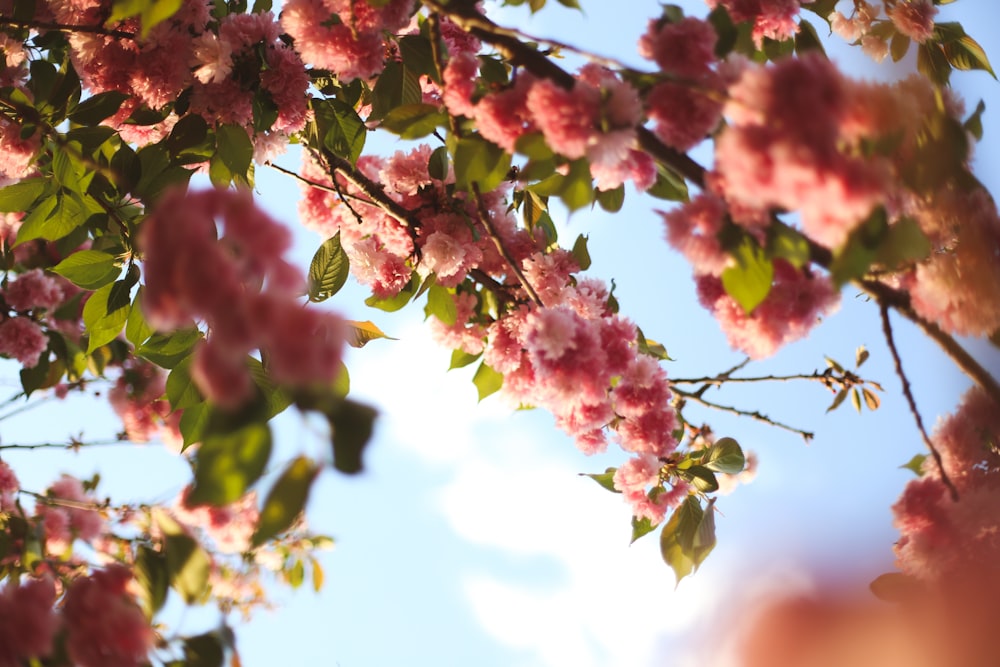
pixel 243 290
pixel 596 119
pixel 104 624
pixel 344 36
pixel 943 538
pixel 137 398
pixel 32 299
pixel 223 68
pixel 771 19
pixel 28 622
pixel 68 513
pixel 687 106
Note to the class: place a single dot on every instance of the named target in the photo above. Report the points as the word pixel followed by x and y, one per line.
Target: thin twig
pixel 887 330
pixel 806 435
pixel 66 27
pixel 69 445
pixel 64 502
pixel 484 217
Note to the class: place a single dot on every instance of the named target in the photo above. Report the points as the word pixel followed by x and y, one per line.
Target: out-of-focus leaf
pixel 286 499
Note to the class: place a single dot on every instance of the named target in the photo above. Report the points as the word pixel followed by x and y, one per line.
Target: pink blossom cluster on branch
pixel 240 286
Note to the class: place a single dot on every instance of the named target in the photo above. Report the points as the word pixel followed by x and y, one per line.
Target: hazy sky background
pixel 471 539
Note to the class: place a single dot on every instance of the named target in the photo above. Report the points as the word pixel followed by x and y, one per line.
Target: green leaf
pixel 227 464
pixel 678 537
pixel 137 330
pixel 837 400
pixel 577 188
pixel 188 565
pixel 276 399
pixel 965 53
pixel 974 123
pixel 151 12
pixel 89 269
pixel 346 133
pixel 194 421
pixel 55 217
pixel 641 527
pixel 397 86
pixel 788 244
pixel 932 63
pixel 861 249
pixel 441 305
pixel 234 150
pixel 98 107
pixel 286 500
pixel 166 350
pixel 481 162
pixel 898 47
pixel 360 334
pixel 725 456
pixel 351 425
pixel 668 186
pixel 393 303
pixel 807 39
pixel 580 253
pixel 533 146
pixel 328 270
pixel 19 196
pixel 181 389
pixel 701 478
pixel 612 200
pixel 606 479
pixel 102 326
pixel 916 464
pixel 461 359
pixel 904 243
pixel 487 381
pixel 204 650
pixel 153 577
pixel 437 165
pixel 414 121
pixel 749 282
pixel 417 55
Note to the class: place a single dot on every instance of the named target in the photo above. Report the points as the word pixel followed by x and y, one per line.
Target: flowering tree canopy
pixel 181 301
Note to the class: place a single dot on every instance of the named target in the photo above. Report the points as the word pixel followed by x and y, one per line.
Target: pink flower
pixel 685 49
pixel 9 486
pixel 105 627
pixel 913 18
pixel 28 621
pixel 33 290
pixel 637 473
pixel 693 228
pixel 792 307
pixel 774 19
pixel 23 340
pixel 567 118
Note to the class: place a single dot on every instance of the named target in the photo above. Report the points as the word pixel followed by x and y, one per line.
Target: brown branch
pixel 66 27
pixel 756 415
pixel 908 393
pixel 899 301
pixel 484 217
pixel 72 444
pixel 509 43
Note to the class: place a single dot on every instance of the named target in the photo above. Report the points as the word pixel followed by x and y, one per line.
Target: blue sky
pixel 470 538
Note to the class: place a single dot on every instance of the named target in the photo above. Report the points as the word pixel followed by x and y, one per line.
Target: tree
pixel 181 299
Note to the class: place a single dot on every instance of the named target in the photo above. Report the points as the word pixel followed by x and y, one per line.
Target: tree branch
pixel 756 415
pixel 484 217
pixel 908 393
pixel 66 27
